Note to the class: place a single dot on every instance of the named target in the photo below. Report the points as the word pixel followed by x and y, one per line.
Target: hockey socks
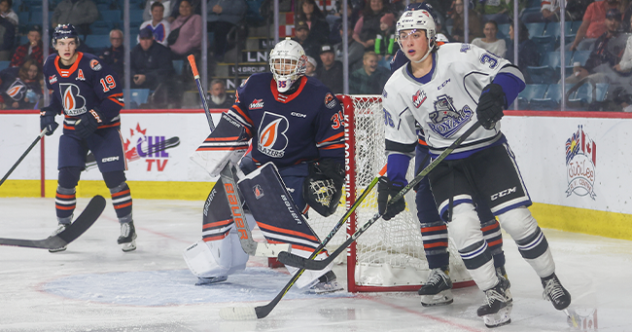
pixel 122 201
pixel 435 240
pixel 65 203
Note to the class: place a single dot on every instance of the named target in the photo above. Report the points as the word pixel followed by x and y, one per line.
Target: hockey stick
pixel 89 215
pixel 300 262
pixel 160 146
pixel 250 246
pixel 196 76
pixel 248 313
pixel 39 137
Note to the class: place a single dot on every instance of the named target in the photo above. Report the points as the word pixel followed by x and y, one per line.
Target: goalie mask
pixel 287 63
pixel 418 20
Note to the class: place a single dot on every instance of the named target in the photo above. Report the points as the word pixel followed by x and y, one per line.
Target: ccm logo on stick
pixel 234 207
pixel 503 193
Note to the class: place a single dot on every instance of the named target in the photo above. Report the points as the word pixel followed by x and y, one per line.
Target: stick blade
pixel 300 262
pixel 238 313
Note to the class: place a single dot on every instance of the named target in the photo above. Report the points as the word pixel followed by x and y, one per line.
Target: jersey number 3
pixel 338 120
pixel 111 84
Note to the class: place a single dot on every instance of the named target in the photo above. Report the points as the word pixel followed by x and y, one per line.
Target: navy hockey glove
pixel 333 170
pixel 88 123
pixel 47 120
pixel 490 105
pixel 385 191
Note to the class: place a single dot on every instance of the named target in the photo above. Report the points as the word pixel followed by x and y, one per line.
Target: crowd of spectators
pixel 172 30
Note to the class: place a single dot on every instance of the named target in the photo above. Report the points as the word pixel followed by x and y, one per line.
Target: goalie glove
pixel 322 188
pixel 47 120
pixel 88 123
pixel 490 105
pixel 385 191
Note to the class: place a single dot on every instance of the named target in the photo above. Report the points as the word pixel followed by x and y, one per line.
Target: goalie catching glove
pixel 322 188
pixel 88 123
pixel 490 105
pixel 386 190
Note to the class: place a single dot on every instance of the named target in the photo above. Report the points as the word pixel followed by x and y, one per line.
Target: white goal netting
pixel 389 256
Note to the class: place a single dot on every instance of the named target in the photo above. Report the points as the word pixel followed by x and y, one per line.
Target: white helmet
pixel 419 20
pixel 287 54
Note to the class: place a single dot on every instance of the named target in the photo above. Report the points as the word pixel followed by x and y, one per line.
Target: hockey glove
pixel 385 191
pixel 88 123
pixel 322 188
pixel 333 170
pixel 490 105
pixel 47 120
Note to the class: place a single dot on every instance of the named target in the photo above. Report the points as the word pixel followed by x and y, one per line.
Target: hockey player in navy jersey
pixel 447 90
pixel 295 125
pixel 88 94
pixel 434 232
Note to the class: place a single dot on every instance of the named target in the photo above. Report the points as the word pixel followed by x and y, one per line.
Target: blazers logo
pixel 256 104
pixel 272 139
pixel 581 161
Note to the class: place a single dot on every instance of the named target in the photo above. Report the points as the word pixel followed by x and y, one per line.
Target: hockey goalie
pixel 294 125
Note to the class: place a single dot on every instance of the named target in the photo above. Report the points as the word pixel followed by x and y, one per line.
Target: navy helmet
pixel 424 6
pixel 63 31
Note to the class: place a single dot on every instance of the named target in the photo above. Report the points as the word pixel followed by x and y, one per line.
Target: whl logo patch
pixel 419 98
pixel 256 104
pixel 581 161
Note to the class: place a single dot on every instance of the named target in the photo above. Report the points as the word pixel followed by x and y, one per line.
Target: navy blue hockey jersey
pixel 306 125
pixel 87 84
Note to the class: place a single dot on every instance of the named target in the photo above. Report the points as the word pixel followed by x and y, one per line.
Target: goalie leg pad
pixel 216 259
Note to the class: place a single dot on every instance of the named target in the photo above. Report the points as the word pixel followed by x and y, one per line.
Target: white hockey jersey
pixel 445 103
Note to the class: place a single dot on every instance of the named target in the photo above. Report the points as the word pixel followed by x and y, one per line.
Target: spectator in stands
pixel 8 13
pixel 490 42
pixel 217 96
pixel 7 39
pixel 168 6
pixel 310 13
pixel 527 51
pixel 310 67
pixel 114 55
pixel 499 11
pixel 368 26
pixel 175 12
pixel 474 23
pixel 80 13
pixel 222 16
pixel 371 78
pixel 385 44
pixel 152 68
pixel 592 25
pixel 330 72
pixel 188 27
pixel 158 24
pixel 301 35
pixel 355 50
pixel 31 50
pixel 600 63
pixel 20 86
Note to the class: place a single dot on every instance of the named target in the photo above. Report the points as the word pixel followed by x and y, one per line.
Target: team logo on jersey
pixel 272 139
pixel 330 100
pixel 419 98
pixel 74 103
pixel 256 104
pixel 258 191
pixel 446 119
pixel 95 65
pixel 581 158
pixel 52 79
pixel 80 76
pixel 16 90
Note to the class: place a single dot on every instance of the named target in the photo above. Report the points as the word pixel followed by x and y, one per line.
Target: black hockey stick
pixel 248 313
pixel 300 262
pixel 160 146
pixel 196 76
pixel 39 137
pixel 89 215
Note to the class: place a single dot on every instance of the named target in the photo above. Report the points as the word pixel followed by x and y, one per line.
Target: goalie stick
pixel 249 313
pixel 89 215
pixel 160 146
pixel 196 76
pixel 300 262
pixel 39 137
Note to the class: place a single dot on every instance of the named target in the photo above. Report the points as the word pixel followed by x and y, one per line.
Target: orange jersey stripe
pixel 422 142
pixel 286 231
pixel 487 228
pixel 214 139
pixel 334 137
pixel 122 205
pixel 115 124
pixel 217 223
pixel 221 148
pixel 243 115
pixel 68 127
pixel 333 146
pixel 120 193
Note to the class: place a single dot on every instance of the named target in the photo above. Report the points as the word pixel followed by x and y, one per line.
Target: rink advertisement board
pixel 576 167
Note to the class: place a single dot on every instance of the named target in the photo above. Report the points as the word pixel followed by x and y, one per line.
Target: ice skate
pixel 437 290
pixel 60 228
pixel 555 292
pixel 211 280
pixel 497 308
pixel 128 236
pixel 326 284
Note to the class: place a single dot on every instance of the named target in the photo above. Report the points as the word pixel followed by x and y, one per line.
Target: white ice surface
pixel 94 286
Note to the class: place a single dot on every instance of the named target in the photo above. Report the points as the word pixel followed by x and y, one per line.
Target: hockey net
pixel 389 256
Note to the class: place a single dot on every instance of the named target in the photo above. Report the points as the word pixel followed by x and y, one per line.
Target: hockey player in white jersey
pixel 447 90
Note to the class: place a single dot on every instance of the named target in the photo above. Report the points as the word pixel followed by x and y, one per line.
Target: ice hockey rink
pixel 94 286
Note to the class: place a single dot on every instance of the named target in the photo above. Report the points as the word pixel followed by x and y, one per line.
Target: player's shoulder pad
pixel 50 61
pixel 92 61
pixel 320 91
pixel 258 81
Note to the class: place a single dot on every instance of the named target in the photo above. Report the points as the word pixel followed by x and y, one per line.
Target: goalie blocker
pixel 219 254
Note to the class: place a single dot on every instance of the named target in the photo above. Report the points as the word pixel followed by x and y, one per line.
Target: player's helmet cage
pixel 418 20
pixel 287 63
pixel 63 31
